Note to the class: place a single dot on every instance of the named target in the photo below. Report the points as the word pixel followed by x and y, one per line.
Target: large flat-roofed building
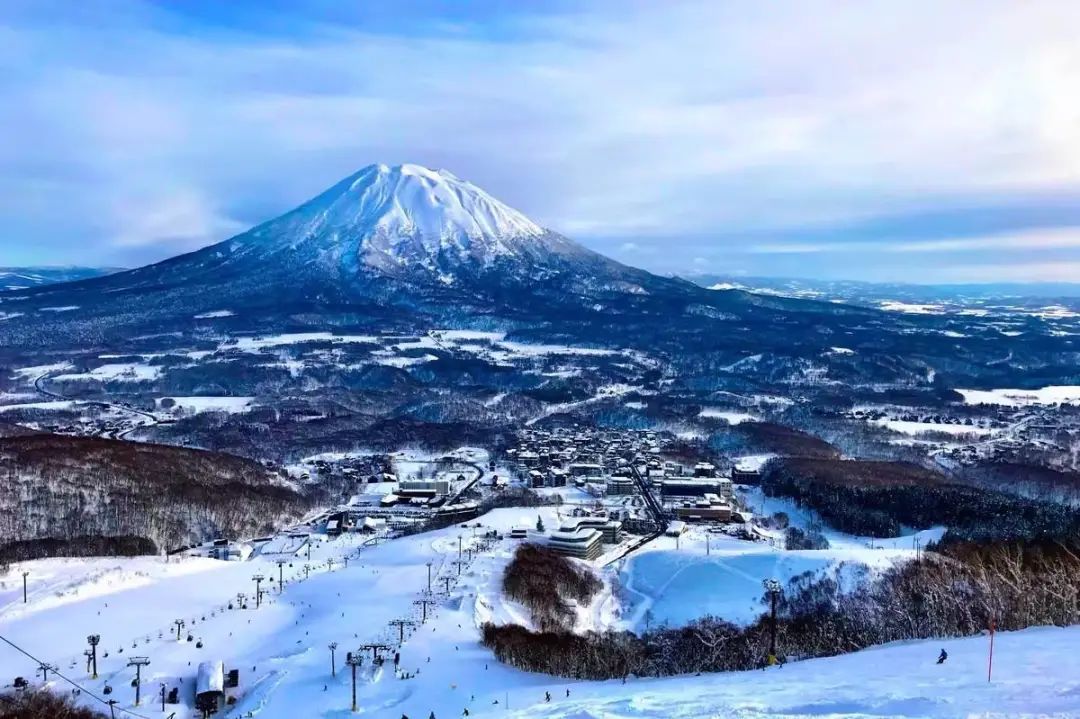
pixel 704 510
pixel 423 488
pixel 586 469
pixel 581 543
pixel 610 530
pixel 620 486
pixel 697 487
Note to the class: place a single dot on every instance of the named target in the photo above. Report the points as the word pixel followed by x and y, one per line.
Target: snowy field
pixel 281 649
pixel 1059 394
pixel 917 428
pixel 208 404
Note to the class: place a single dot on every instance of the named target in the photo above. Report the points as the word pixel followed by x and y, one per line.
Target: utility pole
pixel 429 563
pixel 163 698
pixel 179 623
pixel 459 547
pixel 280 576
pixel 447 580
pixel 330 564
pixel 401 624
pixel 307 570
pixel 353 660
pixel 333 664
pixel 309 548
pixel 112 708
pixel 93 640
pixel 459 563
pixel 24 575
pixel 773 588
pixel 258 578
pixel 138 663
pixel 424 602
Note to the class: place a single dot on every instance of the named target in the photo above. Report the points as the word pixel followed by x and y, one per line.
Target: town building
pixel 580 543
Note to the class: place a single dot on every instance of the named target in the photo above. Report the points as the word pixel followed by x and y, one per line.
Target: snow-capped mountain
pixel 396 224
pixel 389 247
pixel 398 219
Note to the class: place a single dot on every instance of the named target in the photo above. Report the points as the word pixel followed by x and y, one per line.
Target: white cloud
pixel 613 119
pixel 1025 241
pixel 1014 272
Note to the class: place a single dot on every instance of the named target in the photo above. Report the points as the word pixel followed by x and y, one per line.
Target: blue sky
pixel 920 141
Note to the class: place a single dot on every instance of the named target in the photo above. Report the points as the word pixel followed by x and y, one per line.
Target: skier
pixel 942 657
pixel 567 693
pixel 547 696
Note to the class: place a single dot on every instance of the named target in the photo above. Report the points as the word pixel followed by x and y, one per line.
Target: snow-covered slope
pixel 389 217
pixel 282 652
pixel 1032 677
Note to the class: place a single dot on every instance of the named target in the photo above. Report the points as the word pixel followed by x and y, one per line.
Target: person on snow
pixel 547 696
pixel 942 657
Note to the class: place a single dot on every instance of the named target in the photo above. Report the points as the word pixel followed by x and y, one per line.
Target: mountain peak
pixel 393 216
pixel 414 201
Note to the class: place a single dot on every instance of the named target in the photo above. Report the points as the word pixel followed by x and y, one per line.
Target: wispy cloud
pixel 1060 238
pixel 159 127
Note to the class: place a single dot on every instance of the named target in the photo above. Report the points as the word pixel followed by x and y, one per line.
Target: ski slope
pixel 281 649
pixel 1035 675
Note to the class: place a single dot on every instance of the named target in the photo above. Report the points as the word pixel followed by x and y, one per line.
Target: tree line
pixel 69 490
pixel 956 592
pixel 879 499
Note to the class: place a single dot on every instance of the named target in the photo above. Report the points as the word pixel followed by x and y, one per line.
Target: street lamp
pixel 773 588
pixel 333 664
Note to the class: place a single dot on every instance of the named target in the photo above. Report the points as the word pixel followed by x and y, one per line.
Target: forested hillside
pixel 75 488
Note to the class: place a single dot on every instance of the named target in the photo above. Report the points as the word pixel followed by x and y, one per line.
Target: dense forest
pixel 546 582
pixel 879 499
pixel 959 591
pixel 61 488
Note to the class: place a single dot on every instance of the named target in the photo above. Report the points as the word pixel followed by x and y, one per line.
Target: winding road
pixel 39 387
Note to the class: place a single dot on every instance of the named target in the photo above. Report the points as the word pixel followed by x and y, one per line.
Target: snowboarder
pixel 942 657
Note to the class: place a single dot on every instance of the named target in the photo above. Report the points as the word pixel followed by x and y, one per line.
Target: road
pixel 39 387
